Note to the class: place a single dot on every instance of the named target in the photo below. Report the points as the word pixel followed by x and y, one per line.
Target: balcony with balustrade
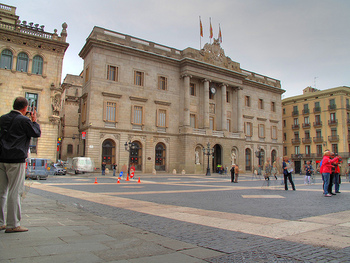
pixel 295 127
pixel 296 141
pixel 333 138
pixel 318 139
pixel 317 124
pixel 307 140
pixel 306 125
pixel 333 122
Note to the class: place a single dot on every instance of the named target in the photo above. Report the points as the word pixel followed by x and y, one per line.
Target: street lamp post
pixel 208 151
pixel 258 155
pixel 129 146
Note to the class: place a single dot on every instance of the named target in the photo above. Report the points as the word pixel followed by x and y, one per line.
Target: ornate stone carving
pixel 54 120
pixel 214 54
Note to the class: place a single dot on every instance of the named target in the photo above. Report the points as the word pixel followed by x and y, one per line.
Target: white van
pixel 82 165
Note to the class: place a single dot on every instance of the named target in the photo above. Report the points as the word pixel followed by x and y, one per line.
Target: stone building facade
pixel 69 125
pixel 31 66
pixel 171 103
pixel 315 121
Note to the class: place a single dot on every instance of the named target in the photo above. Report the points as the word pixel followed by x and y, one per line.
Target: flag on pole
pixel 211 30
pixel 220 36
pixel 201 27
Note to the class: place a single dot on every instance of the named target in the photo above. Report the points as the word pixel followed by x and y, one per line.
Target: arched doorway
pixel 136 156
pixel 248 159
pixel 108 153
pixel 217 160
pixel 273 156
pixel 160 159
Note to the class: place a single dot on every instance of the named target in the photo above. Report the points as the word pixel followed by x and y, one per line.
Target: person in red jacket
pixel 326 170
pixel 337 175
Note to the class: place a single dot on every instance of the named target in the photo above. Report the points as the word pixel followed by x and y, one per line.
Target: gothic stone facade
pixel 31 66
pixel 171 103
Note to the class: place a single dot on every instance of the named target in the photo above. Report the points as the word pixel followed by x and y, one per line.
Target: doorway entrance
pixel 217 159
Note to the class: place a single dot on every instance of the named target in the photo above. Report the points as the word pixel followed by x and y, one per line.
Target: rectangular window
pixel 317 119
pixel 193 122
pixel 112 73
pixel 296 149
pixel 193 89
pixel 318 133
pixel 307 150
pixel 335 148
pixel 307 134
pixel 274 132
pixel 137 115
pixel 273 106
pixel 261 104
pixel 110 111
pixel 211 123
pixel 228 125
pixel 296 121
pixel 261 131
pixel 227 97
pixel 306 108
pixel 285 153
pixel 319 151
pixel 138 78
pixel 162 118
pixel 84 110
pixel 247 101
pixel 307 120
pixel 296 135
pixel 332 117
pixel 284 136
pixel 248 129
pixel 32 101
pixel 87 74
pixel 162 83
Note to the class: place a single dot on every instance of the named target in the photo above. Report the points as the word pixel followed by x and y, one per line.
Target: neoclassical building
pixel 31 67
pixel 171 103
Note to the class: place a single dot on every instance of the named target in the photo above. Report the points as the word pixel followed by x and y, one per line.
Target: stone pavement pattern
pixel 146 231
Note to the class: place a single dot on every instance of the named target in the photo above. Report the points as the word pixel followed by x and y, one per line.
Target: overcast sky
pixel 299 42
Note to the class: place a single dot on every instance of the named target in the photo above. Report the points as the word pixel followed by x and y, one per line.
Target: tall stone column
pixel 239 109
pixel 206 104
pixel 186 99
pixel 223 108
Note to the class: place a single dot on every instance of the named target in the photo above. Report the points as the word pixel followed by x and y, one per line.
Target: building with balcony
pixel 171 103
pixel 31 67
pixel 329 112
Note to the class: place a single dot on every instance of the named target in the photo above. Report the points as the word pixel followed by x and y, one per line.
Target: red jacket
pixel 327 164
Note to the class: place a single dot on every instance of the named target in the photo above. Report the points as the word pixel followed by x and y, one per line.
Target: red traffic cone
pixel 118 182
pixel 139 181
pixel 95 181
pixel 127 178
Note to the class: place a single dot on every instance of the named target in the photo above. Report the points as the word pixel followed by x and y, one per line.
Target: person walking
pixel 16 132
pixel 236 173
pixel 232 173
pixel 308 172
pixel 103 168
pixel 287 173
pixel 114 166
pixel 326 170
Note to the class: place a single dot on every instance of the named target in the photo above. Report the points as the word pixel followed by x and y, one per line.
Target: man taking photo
pixel 16 131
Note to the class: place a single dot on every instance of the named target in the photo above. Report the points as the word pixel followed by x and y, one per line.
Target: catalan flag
pixel 220 36
pixel 201 27
pixel 211 30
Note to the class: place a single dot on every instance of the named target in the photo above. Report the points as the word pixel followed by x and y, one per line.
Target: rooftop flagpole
pixel 200 33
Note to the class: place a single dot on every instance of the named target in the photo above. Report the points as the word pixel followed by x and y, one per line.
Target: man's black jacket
pixel 15 143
